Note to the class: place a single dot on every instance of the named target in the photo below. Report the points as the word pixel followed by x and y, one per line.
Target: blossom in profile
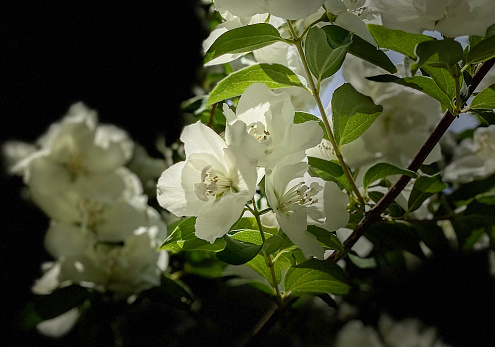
pixel 268 119
pixel 474 159
pixel 299 200
pixel 213 183
pixel 452 18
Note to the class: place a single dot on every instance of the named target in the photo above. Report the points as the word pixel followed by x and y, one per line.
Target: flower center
pixel 92 213
pixel 326 150
pixel 76 165
pixel 213 184
pixel 299 194
pixel 257 130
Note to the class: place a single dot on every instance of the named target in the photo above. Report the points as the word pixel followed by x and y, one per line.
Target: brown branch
pixel 375 214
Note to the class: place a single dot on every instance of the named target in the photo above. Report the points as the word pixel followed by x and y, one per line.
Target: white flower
pixel 79 160
pixel 122 269
pixel 299 199
pixel 450 17
pixel 406 121
pixel 288 9
pixel 269 120
pixel 101 223
pixel 213 183
pixel 474 159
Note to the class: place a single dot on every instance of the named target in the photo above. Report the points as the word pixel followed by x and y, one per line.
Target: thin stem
pixel 375 214
pixel 328 128
pixel 268 258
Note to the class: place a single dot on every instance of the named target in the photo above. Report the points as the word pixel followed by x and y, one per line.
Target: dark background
pixel 132 61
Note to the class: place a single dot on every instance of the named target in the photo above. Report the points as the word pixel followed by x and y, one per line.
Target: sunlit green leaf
pixel 316 277
pixel 301 117
pixel 243 39
pixel 359 47
pixel 438 53
pixel 237 252
pixel 273 75
pixel 184 238
pixel 323 60
pixel 424 84
pixel 382 170
pixel 482 51
pixel 353 113
pixel 326 237
pixel 397 40
pixel 485 100
pixel 423 188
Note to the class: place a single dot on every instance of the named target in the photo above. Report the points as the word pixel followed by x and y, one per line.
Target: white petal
pixel 67 240
pixel 198 138
pixel 217 216
pixel 61 325
pixel 294 226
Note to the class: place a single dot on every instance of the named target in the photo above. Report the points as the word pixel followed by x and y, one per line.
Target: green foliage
pixel 397 40
pixel 481 51
pixel 273 75
pixel 423 188
pixel 437 53
pixel 423 84
pixel 237 252
pixel 382 170
pixel 329 171
pixel 316 277
pixel 353 113
pixel 184 238
pixel 324 60
pixel 359 47
pixel 485 100
pixel 326 238
pixel 443 80
pixel 242 40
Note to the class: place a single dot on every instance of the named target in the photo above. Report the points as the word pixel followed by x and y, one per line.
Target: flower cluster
pixel 219 176
pixel 103 235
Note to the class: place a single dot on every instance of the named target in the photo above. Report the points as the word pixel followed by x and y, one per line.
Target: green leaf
pixel 329 167
pixel 397 40
pixel 382 170
pixel 183 238
pixel 237 252
pixel 329 171
pixel 438 53
pixel 353 113
pixel 243 39
pixel 258 264
pixel 483 51
pixel 423 188
pixel 359 47
pixel 423 84
pixel 443 79
pixel 323 60
pixel 273 75
pixel 272 244
pixel 485 100
pixel 316 277
pixel 326 237
pixel 301 117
